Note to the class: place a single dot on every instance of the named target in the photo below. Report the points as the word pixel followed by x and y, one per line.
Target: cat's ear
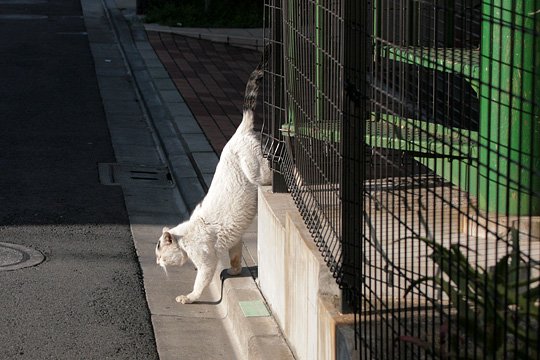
pixel 167 238
pixel 165 229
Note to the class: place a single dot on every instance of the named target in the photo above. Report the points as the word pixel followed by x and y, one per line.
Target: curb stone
pixel 245 38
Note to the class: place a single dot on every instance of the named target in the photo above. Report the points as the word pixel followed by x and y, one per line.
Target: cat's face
pixel 168 251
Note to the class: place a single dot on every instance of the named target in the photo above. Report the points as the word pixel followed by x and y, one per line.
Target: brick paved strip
pixel 211 77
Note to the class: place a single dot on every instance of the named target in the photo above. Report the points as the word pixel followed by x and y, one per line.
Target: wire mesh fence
pixel 305 74
pixel 408 133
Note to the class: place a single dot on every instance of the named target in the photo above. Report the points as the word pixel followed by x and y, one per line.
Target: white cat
pixel 229 207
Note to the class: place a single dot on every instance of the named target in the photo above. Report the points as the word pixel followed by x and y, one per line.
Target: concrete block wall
pixel 303 296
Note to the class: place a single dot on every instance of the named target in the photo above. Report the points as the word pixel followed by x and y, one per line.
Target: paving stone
pixel 197 142
pixel 178 281
pixel 173 145
pixel 143 46
pixel 182 167
pixel 171 96
pixel 158 73
pixel 137 63
pixel 208 179
pixel 187 124
pixel 143 199
pixel 165 84
pixel 206 161
pixel 179 109
pixel 192 191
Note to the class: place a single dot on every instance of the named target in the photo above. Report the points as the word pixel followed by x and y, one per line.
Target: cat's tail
pixel 252 86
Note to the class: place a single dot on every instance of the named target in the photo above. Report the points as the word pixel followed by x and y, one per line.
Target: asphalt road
pixel 86 301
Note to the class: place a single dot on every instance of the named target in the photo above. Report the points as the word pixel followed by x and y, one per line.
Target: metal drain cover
pixel 128 174
pixel 13 257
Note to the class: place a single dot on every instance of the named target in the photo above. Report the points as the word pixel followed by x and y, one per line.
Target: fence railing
pixel 408 133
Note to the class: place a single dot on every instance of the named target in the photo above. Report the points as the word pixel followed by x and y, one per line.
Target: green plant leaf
pixel 487 302
pixel 515 257
pixel 534 293
pixel 416 282
pixel 455 265
pixel 500 269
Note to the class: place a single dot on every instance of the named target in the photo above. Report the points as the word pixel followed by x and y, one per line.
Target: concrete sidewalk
pixel 153 131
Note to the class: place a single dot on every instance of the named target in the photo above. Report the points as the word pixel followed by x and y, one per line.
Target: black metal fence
pixel 408 133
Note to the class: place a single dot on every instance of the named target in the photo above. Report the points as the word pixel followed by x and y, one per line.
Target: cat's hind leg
pixel 235 256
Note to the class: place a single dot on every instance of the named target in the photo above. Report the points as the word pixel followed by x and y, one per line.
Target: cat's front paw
pixel 184 299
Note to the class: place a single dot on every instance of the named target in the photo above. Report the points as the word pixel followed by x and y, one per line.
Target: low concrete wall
pixel 296 283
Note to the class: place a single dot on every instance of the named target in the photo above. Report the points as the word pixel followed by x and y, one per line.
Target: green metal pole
pixel 509 154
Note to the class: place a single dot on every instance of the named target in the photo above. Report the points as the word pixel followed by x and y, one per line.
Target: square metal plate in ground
pixel 255 308
pixel 137 175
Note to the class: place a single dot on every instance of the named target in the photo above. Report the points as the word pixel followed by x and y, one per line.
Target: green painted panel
pixel 509 161
pixel 462 61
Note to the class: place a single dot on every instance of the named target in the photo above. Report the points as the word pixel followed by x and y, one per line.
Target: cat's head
pixel 168 250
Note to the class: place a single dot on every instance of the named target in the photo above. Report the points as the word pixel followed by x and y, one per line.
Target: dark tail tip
pixel 263 64
pixel 252 86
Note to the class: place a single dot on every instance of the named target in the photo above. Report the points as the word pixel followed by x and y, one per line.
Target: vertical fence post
pixel 274 104
pixel 357 57
pixel 509 160
pixel 278 182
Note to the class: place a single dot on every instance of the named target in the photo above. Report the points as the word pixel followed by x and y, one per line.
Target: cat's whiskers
pixel 164 267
